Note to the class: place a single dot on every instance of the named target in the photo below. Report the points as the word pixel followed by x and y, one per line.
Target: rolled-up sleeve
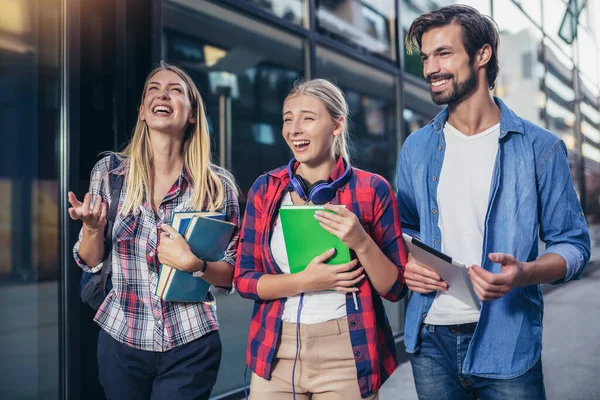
pixel 80 262
pixel 562 222
pixel 249 266
pixel 98 185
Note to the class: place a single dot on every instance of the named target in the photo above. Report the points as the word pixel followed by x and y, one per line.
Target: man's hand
pixel 422 279
pixel 490 286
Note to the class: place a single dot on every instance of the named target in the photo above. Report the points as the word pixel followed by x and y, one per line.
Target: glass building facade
pixel 71 75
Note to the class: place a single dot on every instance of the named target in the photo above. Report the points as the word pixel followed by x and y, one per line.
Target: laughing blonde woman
pixel 320 334
pixel 149 348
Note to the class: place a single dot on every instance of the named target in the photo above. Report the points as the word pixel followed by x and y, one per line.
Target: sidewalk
pixel 571 354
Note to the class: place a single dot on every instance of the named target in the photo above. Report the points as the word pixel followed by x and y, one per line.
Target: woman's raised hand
pixel 91 213
pixel 320 276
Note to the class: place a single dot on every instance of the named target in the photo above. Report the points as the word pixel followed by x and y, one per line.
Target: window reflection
pixel 592 187
pixel 588 61
pixel 519 82
pixel 368 24
pixel 29 266
pixel 244 70
pixel 291 10
pixel 559 111
pixel 589 14
pixel 553 16
pixel 533 8
pixel 413 120
pixel 371 99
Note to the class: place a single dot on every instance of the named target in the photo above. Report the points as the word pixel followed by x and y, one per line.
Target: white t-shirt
pixel 463 197
pixel 316 306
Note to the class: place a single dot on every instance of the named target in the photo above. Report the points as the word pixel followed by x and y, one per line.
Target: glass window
pixel 371 98
pixel 372 102
pixel 368 24
pixel 244 70
pixel 588 61
pixel 413 120
pixel 30 100
pixel 554 12
pixel 519 82
pixel 555 55
pixel 589 13
pixel 590 128
pixel 559 113
pixel 533 8
pixel 591 133
pixel 591 112
pixel 410 10
pixel 592 189
pixel 291 10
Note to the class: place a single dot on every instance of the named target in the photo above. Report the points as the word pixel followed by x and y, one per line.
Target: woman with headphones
pixel 321 333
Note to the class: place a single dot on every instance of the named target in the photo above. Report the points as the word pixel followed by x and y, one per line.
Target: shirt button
pixel 352 323
pixel 357 353
pixel 434 211
pixel 436 242
pixel 439 148
pixel 434 178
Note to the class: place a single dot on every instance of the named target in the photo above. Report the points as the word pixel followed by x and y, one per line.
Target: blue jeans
pixel 185 372
pixel 437 369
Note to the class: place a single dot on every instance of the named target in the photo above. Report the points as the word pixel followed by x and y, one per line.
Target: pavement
pixel 29 342
pixel 571 352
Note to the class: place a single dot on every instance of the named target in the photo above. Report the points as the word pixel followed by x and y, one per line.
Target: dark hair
pixel 477 31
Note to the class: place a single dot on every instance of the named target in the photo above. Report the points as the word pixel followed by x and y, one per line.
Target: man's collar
pixel 509 121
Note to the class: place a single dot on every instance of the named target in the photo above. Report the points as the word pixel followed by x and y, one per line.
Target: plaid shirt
pixel 371 198
pixel 132 313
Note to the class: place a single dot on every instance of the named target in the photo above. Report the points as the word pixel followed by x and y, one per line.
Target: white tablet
pixel 452 271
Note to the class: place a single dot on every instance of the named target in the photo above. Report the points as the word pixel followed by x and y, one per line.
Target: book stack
pixel 208 235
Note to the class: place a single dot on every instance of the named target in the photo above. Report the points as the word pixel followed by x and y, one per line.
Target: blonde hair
pixel 208 180
pixel 336 105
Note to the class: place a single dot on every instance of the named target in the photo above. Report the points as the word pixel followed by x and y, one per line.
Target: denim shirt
pixel 531 191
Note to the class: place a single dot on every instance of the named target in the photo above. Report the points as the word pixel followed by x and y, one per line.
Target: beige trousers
pixel 325 369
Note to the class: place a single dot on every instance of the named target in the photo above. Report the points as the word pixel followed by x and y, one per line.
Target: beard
pixel 456 92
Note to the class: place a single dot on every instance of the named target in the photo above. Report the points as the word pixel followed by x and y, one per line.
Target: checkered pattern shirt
pixel 371 198
pixel 132 313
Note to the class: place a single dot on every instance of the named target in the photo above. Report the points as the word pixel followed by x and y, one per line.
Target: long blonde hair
pixel 208 179
pixel 336 105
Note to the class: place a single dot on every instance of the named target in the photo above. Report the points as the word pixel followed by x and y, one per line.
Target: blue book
pixel 208 236
pixel 181 219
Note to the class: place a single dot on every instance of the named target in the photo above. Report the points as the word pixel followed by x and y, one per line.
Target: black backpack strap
pixel 115 183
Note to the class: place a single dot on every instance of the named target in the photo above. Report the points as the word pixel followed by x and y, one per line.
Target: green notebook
pixel 305 238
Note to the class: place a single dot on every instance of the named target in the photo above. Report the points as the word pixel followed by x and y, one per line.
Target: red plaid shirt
pixel 371 198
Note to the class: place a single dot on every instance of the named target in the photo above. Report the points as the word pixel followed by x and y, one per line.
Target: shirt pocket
pixel 126 228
